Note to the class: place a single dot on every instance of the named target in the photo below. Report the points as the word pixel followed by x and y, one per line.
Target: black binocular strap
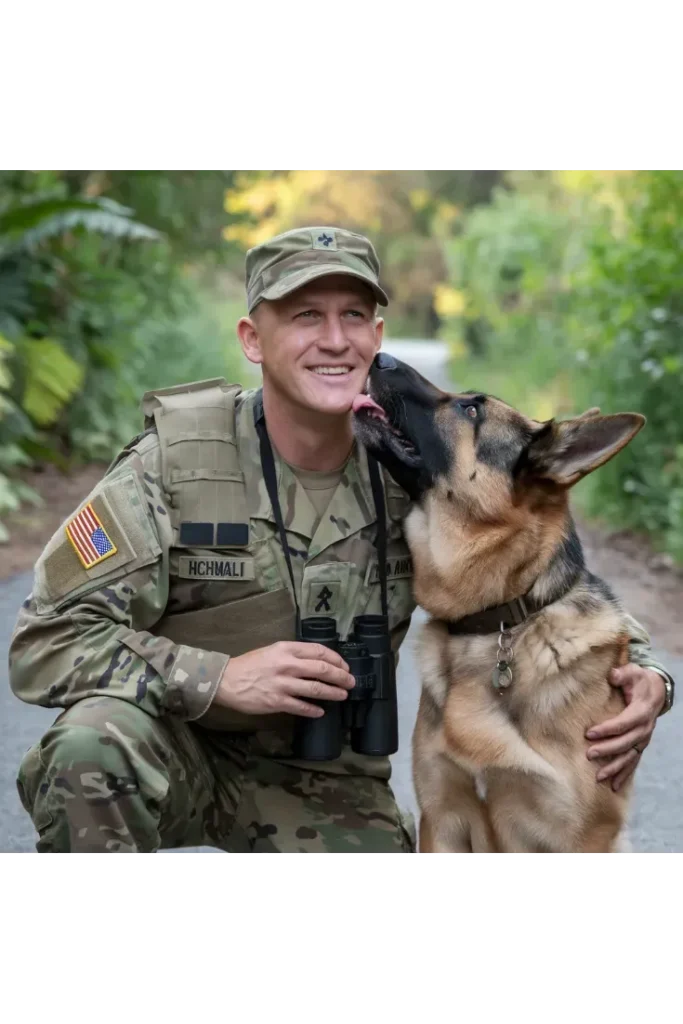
pixel 270 478
pixel 381 540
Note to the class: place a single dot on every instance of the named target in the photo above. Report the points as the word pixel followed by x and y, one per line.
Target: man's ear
pixel 379 333
pixel 249 339
pixel 566 452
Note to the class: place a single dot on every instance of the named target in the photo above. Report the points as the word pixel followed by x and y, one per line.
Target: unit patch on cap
pixel 324 240
pixel 89 538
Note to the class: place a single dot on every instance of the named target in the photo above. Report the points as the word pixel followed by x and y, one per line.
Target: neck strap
pixel 270 479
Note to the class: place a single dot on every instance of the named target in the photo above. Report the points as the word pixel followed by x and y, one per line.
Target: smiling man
pixel 162 620
pixel 161 617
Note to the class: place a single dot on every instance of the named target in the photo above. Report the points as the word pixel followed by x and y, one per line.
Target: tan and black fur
pixel 503 771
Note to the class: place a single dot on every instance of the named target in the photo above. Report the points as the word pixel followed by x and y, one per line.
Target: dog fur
pixel 503 771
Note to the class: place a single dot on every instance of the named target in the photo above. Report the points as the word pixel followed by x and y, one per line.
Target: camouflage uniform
pixel 188 571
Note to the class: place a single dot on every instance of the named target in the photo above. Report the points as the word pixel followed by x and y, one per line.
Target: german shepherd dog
pixel 515 657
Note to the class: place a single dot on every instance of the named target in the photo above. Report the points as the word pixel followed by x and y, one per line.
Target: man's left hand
pixel 624 738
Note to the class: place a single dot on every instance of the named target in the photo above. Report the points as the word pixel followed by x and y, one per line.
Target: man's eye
pixel 355 314
pixel 306 314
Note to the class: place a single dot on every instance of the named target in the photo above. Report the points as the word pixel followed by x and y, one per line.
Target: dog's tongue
pixel 365 402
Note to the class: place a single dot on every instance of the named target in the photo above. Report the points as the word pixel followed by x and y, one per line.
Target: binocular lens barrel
pixel 361 667
pixel 320 630
pixel 378 734
pixel 370 708
pixel 319 739
pixel 373 631
pixel 371 625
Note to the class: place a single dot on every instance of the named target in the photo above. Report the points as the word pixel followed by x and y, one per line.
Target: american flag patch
pixel 89 537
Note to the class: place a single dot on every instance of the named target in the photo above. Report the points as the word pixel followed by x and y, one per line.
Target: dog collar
pixel 512 613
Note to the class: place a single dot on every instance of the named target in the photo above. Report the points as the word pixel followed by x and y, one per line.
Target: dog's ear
pixel 589 414
pixel 566 452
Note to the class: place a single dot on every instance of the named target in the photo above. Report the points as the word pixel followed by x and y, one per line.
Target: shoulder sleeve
pixel 640 651
pixel 99 586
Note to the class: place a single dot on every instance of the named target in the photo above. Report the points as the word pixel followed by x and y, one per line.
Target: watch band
pixel 669 688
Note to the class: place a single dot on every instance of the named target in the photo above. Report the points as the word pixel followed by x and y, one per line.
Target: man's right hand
pixel 274 679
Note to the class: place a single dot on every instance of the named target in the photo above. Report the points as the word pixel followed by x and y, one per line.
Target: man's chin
pixel 333 399
pixel 339 407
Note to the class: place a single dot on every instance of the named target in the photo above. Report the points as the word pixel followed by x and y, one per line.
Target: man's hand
pixel 274 679
pixel 632 730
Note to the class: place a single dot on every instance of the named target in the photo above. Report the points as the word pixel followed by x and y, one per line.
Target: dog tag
pixel 502 676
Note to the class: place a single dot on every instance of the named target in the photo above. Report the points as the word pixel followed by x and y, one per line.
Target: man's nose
pixel 334 338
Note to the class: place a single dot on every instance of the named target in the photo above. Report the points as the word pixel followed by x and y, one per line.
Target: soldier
pixel 162 620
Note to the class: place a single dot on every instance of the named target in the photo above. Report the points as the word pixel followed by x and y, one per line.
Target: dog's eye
pixel 470 404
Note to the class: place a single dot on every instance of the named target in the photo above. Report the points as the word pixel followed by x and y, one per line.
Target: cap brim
pixel 305 275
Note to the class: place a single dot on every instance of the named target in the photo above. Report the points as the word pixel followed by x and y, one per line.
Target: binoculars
pixel 370 711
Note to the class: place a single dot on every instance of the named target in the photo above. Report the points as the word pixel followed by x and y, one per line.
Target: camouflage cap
pixel 287 262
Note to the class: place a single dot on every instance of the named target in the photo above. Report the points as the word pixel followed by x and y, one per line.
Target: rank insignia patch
pixel 89 538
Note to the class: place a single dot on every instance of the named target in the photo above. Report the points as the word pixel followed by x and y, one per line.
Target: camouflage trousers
pixel 107 777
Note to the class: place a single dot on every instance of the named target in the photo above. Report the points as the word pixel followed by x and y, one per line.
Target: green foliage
pixel 99 300
pixel 629 322
pixel 5 377
pixel 25 224
pixel 556 290
pixel 572 297
pixel 513 266
pixel 185 206
pixel 52 379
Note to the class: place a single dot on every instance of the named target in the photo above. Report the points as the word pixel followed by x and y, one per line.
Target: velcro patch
pixel 232 535
pixel 399 567
pixel 120 508
pixel 192 568
pixel 196 535
pixel 324 240
pixel 90 540
pixel 323 598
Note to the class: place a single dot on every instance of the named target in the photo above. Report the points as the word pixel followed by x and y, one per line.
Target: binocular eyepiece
pixel 370 710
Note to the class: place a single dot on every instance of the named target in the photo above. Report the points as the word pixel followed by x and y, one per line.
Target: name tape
pixel 398 568
pixel 215 568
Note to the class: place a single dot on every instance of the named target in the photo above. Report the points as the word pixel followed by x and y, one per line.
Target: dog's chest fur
pixel 562 657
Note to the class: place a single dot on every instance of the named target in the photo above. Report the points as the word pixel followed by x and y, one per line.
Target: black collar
pixel 489 621
pixel 566 569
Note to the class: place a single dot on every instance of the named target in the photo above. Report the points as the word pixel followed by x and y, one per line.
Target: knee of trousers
pixel 101 746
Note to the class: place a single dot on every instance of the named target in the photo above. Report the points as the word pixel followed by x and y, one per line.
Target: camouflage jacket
pixel 155 620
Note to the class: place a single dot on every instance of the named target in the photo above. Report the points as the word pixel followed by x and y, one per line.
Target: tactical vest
pixel 208 507
pixel 200 466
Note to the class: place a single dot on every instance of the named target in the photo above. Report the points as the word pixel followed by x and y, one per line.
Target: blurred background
pixel 555 290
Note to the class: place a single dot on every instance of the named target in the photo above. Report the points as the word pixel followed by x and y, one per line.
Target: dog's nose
pixel 383 361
